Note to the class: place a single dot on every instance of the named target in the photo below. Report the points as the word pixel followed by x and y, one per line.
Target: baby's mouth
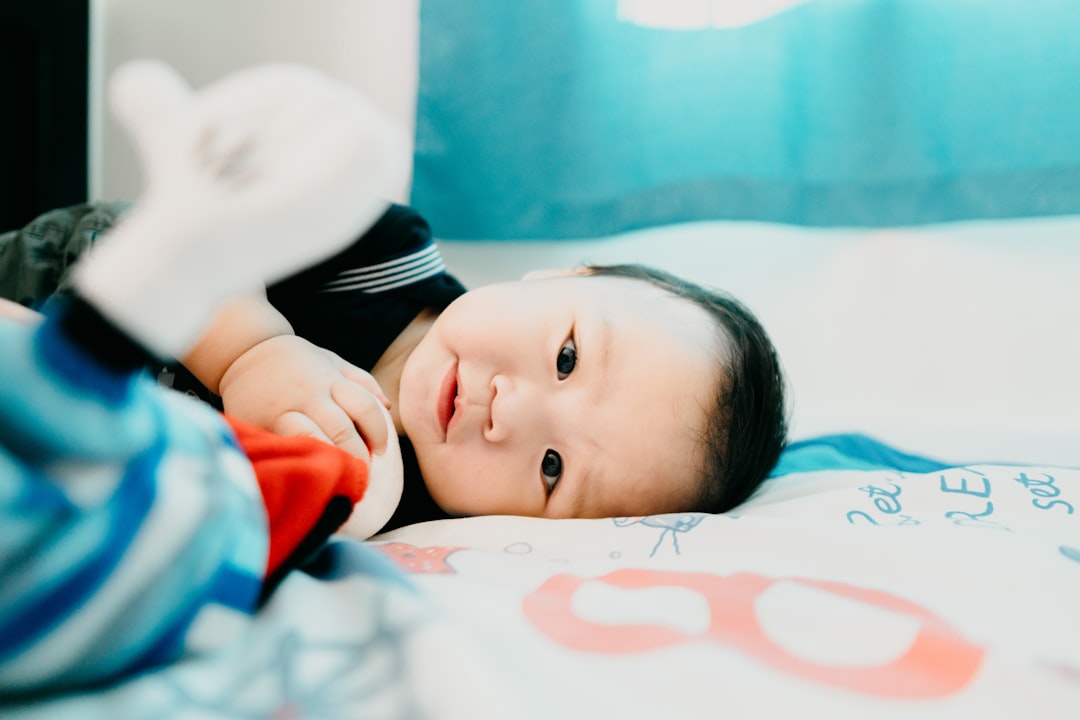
pixel 448 393
pixel 453 402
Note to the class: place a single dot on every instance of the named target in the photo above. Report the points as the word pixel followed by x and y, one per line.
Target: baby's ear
pixel 556 273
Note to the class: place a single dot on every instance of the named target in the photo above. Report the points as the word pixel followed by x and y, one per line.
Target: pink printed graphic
pixel 421 560
pixel 938 662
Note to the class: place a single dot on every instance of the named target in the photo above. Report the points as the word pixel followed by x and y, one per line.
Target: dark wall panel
pixel 44 66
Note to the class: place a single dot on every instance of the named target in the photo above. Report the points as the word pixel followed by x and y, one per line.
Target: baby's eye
pixel 551 469
pixel 567 359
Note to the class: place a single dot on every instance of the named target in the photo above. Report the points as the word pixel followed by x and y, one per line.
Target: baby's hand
pixel 291 387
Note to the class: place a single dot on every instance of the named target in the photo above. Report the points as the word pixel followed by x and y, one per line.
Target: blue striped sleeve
pixel 132 531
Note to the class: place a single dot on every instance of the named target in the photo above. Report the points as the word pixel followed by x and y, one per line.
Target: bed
pixel 916 553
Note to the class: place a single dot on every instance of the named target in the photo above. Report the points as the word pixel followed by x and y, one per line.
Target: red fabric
pixel 298 476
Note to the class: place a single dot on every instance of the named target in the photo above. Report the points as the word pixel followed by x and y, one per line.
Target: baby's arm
pixel 280 382
pixel 240 324
pixel 273 379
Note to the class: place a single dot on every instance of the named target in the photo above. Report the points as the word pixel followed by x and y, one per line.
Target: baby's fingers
pixel 365 380
pixel 366 412
pixel 341 432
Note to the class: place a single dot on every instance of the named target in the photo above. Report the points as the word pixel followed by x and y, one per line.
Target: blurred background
pixel 892 185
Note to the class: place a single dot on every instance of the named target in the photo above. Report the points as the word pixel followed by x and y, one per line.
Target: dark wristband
pixel 98 337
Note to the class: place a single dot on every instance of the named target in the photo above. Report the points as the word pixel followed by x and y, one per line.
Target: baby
pixel 601 391
pixel 584 393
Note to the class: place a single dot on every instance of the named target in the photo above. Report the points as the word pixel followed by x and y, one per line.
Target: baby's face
pixel 562 397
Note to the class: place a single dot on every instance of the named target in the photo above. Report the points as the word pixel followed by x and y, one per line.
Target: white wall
pixel 370 43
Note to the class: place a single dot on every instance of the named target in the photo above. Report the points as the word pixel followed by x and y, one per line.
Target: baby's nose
pixel 510 411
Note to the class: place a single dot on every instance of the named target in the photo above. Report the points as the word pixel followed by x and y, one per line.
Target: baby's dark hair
pixel 746 429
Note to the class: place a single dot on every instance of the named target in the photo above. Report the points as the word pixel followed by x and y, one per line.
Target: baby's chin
pixel 446 492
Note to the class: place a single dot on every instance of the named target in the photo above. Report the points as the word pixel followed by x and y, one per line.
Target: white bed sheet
pixel 940 593
pixel 831 594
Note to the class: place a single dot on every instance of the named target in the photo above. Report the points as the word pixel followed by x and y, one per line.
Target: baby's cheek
pixel 461 480
pixel 450 482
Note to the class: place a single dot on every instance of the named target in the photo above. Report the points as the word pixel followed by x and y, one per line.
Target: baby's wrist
pixel 252 356
pixel 240 325
pixel 240 363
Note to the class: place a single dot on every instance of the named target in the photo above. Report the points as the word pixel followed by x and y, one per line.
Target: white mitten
pixel 248 180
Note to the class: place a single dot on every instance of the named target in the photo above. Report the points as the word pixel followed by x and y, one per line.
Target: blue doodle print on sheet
pixel 1070 552
pixel 1044 492
pixel 669 525
pixel 978 489
pixel 969 492
pixel 885 498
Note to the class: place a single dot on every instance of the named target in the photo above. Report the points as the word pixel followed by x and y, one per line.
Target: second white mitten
pixel 248 180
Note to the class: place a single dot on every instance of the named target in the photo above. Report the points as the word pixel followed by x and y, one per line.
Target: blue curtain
pixel 559 118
